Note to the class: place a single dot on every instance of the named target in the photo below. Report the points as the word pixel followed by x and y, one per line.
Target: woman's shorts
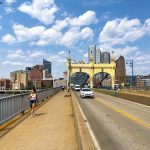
pixel 32 102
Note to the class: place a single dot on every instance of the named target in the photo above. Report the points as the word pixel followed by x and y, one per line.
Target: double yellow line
pixel 132 117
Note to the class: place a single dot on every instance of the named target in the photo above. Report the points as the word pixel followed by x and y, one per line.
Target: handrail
pixel 11 106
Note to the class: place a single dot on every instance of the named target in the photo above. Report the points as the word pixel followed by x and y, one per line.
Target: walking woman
pixel 33 100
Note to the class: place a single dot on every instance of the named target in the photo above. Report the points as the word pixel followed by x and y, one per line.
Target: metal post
pixel 132 72
pixel 69 69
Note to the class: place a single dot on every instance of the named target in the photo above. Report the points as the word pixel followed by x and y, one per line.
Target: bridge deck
pixel 52 128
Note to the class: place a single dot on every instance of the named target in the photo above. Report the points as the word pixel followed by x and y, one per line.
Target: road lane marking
pixel 128 101
pixel 132 117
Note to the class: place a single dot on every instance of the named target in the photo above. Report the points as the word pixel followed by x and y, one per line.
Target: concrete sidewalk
pixel 52 128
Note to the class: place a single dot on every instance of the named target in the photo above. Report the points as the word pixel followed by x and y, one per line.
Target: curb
pixel 85 141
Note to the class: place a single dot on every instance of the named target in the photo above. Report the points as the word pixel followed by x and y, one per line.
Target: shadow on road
pixel 39 114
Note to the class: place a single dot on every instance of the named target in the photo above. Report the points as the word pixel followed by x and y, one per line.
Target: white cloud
pixel 62 53
pixel 16 63
pixel 15 54
pixel 9 10
pixel 87 18
pixel 49 36
pixel 8 38
pixel 41 36
pixel 86 33
pixel 142 58
pixel 74 35
pixel 118 33
pixel 43 10
pixel 60 24
pixel 121 31
pixel 24 34
pixel 85 55
pixel 59 58
pixel 37 54
pixel 146 26
pixel 141 63
pixel 29 55
pixel 9 2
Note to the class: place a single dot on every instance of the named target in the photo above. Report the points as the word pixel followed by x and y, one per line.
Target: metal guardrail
pixel 11 106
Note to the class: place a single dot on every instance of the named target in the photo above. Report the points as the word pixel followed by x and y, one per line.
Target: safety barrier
pixel 11 106
pixel 85 141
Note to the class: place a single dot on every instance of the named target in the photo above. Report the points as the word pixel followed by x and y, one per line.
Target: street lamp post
pixel 130 62
pixel 69 69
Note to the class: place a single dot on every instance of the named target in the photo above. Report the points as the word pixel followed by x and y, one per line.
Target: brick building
pixel 120 70
pixel 4 84
pixel 36 76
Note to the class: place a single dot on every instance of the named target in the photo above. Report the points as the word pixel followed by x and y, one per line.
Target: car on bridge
pixel 86 92
pixel 77 87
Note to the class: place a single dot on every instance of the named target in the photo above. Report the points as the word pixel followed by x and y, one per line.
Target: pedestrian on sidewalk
pixel 115 90
pixel 63 88
pixel 33 100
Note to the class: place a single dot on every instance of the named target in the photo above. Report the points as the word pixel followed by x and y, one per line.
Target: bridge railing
pixel 11 106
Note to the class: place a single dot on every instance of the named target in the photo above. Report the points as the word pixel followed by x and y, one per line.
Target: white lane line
pixel 97 147
pixel 124 100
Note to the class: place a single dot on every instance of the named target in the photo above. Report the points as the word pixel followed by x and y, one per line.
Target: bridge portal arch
pixel 102 80
pixel 80 78
pixel 91 69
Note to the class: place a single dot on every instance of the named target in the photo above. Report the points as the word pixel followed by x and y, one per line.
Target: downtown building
pixel 41 75
pixel 19 80
pixel 143 82
pixel 61 82
pixel 5 84
pixel 104 57
pixel 47 66
pixel 38 76
pixel 120 71
pixel 100 57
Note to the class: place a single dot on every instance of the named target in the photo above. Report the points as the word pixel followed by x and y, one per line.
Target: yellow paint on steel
pixel 9 122
pixel 132 117
pixel 92 69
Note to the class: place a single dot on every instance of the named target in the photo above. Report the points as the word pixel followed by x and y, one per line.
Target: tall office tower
pixel 47 65
pixel 98 56
pixel 105 57
pixel 28 69
pixel 120 75
pixel 96 53
pixel 91 52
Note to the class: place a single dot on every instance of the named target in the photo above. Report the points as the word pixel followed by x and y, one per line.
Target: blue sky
pixel 31 30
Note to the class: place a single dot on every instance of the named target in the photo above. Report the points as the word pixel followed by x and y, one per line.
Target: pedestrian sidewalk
pixel 52 128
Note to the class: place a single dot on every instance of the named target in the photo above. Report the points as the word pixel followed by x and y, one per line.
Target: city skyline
pixel 33 30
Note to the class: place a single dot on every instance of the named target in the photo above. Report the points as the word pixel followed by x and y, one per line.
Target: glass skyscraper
pixel 105 57
pixel 47 65
pixel 96 53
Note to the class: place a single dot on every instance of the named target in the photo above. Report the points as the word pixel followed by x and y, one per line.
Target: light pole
pixel 69 69
pixel 130 63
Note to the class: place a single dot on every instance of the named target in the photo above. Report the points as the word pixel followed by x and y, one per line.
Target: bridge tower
pixel 91 69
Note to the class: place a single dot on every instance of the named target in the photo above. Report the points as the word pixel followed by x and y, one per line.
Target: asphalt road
pixel 116 123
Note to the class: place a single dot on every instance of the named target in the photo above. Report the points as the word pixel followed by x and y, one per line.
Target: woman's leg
pixel 33 108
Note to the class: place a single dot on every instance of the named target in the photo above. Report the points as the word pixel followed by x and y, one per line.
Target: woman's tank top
pixel 33 97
